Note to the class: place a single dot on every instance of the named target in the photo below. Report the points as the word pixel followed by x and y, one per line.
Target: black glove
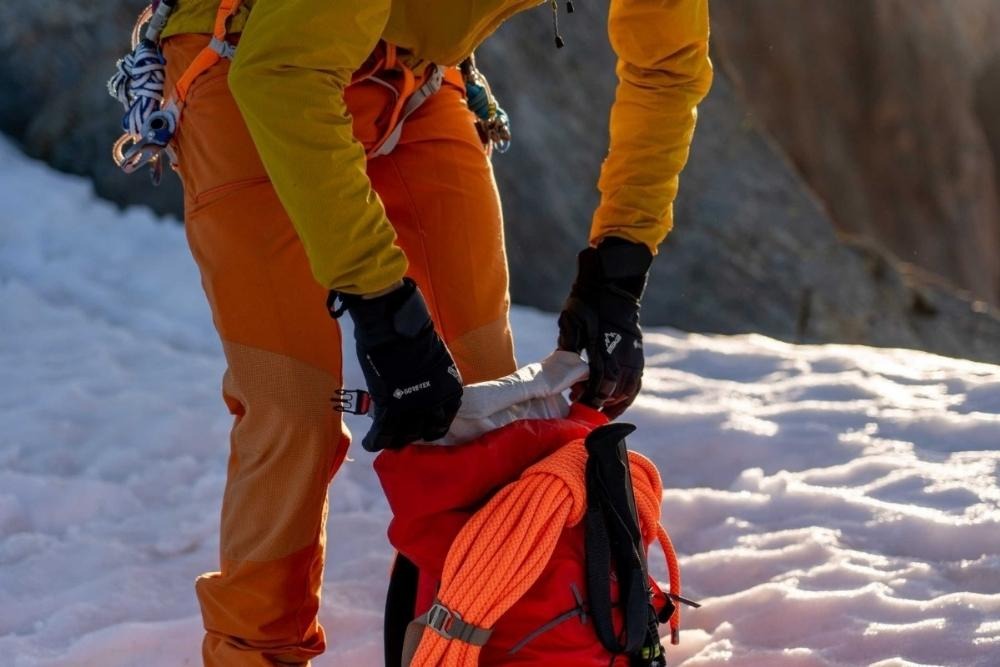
pixel 601 316
pixel 416 388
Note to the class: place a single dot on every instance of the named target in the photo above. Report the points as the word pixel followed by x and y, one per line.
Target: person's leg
pixel 438 190
pixel 284 364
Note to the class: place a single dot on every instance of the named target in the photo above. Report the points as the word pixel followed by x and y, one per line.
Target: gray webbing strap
pixel 445 622
pixel 222 47
pixel 421 95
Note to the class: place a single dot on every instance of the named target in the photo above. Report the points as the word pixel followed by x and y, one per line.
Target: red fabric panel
pixel 433 490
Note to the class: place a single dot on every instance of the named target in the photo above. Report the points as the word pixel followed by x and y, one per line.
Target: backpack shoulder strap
pixel 613 540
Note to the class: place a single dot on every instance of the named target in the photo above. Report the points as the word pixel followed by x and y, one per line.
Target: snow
pixel 833 505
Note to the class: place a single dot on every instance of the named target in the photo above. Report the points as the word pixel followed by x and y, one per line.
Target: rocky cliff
pixel 55 58
pixel 890 111
pixel 754 249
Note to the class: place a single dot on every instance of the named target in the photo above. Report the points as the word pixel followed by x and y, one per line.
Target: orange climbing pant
pixel 284 352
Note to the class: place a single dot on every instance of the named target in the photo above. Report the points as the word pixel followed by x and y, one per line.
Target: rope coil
pixel 138 84
pixel 505 546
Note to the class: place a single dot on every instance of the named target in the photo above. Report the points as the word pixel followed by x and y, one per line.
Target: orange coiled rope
pixel 648 497
pixel 504 547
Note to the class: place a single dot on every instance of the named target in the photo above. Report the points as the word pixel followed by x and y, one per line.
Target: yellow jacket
pixel 296 57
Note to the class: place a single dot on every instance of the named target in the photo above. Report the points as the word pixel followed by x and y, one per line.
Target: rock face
pixel 756 239
pixel 753 249
pixel 55 58
pixel 889 110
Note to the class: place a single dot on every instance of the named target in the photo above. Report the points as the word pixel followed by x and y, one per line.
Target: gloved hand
pixel 415 387
pixel 601 316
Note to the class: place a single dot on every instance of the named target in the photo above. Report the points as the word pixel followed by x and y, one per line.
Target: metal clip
pixel 146 148
pixel 131 154
pixel 354 401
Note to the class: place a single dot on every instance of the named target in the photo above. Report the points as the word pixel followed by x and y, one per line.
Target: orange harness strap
pixel 410 92
pixel 391 62
pixel 211 54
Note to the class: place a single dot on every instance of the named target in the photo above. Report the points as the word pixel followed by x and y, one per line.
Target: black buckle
pixel 683 600
pixel 354 401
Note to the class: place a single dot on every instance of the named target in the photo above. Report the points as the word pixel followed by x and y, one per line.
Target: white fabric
pixel 532 392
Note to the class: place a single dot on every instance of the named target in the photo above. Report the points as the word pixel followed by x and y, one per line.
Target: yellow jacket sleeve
pixel 663 73
pixel 288 77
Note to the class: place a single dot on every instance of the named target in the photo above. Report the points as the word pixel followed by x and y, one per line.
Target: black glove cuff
pixel 401 312
pixel 615 263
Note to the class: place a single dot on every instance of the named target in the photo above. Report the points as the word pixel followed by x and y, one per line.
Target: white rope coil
pixel 138 84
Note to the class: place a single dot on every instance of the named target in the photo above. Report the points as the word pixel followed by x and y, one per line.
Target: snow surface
pixel 834 505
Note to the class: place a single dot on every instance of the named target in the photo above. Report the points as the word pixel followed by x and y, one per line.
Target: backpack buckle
pixel 449 624
pixel 440 619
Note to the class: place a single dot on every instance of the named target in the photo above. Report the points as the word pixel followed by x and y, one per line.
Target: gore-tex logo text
pixel 400 393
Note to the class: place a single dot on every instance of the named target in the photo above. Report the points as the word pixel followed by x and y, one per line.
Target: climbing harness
pixel 152 114
pixel 408 95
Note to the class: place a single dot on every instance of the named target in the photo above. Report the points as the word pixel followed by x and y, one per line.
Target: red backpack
pixel 527 546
